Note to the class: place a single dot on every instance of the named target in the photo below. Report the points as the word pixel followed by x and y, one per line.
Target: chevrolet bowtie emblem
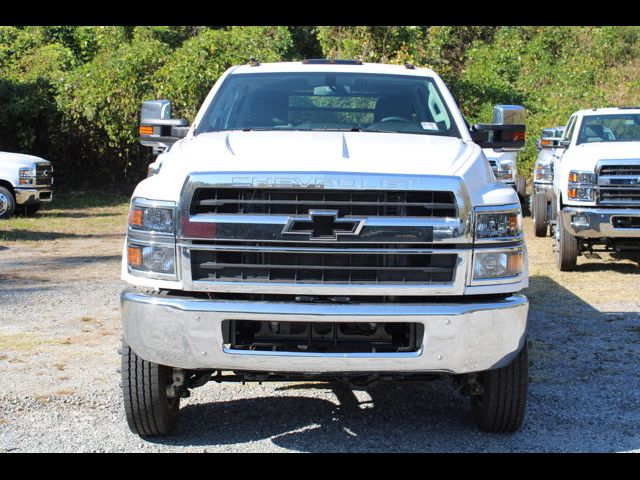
pixel 323 225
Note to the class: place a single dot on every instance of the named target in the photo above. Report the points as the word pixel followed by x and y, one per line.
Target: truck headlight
pixel 498 225
pixel 504 171
pixel 153 219
pixel 543 173
pixel 497 264
pixel 152 258
pixel 581 177
pixel 26 176
pixel 581 186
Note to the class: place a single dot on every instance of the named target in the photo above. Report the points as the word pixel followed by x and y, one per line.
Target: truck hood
pixel 586 155
pixel 337 152
pixel 314 151
pixel 18 160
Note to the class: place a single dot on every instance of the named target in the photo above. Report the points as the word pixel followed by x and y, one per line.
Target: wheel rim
pixel 4 203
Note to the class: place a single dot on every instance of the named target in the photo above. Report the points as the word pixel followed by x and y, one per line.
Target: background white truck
pixel 25 182
pixel 325 220
pixel 540 201
pixel 596 185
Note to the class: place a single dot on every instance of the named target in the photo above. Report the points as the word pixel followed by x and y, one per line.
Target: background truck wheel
pixel 566 247
pixel 500 408
pixel 539 213
pixel 7 203
pixel 148 410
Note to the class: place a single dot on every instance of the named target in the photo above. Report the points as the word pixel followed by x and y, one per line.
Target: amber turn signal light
pixel 135 217
pixel 514 263
pixel 134 255
pixel 146 130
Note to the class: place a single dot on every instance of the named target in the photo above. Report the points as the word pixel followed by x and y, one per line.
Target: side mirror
pixel 507 131
pixel 564 143
pixel 550 142
pixel 157 128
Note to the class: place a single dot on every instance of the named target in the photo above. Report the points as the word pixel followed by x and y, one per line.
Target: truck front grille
pixel 619 184
pixel 323 267
pixel 616 170
pixel 371 203
pixel 44 175
pixel 620 195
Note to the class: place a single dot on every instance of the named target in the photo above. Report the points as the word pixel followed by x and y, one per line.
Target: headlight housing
pixel 494 264
pixel 505 170
pixel 26 176
pixel 151 243
pixel 498 225
pixel 581 186
pixel 152 258
pixel 151 219
pixel 543 172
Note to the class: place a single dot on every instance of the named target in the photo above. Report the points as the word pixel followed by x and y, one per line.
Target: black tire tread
pixel 567 248
pixel 540 215
pixel 501 407
pixel 143 386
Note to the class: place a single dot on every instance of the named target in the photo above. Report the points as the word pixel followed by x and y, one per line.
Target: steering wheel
pixel 395 119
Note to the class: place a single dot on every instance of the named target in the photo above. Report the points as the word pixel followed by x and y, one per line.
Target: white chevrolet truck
pixel 26 182
pixel 324 220
pixel 540 201
pixel 596 185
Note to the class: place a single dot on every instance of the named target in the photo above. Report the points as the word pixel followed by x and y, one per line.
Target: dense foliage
pixel 72 94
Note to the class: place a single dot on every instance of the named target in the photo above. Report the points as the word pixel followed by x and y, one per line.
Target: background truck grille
pixel 44 175
pixel 372 203
pixel 619 184
pixel 614 170
pixel 322 267
pixel 620 195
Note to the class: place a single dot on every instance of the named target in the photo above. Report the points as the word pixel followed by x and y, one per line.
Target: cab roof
pixel 316 66
pixel 608 111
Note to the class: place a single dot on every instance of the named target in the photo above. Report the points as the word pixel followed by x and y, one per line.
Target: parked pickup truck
pixel 25 182
pixel 596 185
pixel 504 166
pixel 542 181
pixel 325 220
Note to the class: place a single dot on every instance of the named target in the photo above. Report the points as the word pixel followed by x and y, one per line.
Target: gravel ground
pixel 59 388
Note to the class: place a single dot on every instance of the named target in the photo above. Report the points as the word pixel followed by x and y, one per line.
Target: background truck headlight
pixel 581 186
pixel 26 176
pixel 544 173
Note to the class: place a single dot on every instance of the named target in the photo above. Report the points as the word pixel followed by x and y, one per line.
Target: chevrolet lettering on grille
pixel 323 225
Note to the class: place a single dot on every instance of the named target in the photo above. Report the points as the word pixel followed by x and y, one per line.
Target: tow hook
pixel 177 388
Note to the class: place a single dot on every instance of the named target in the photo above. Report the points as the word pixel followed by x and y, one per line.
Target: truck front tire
pixel 501 406
pixel 7 203
pixel 539 213
pixel 566 247
pixel 149 411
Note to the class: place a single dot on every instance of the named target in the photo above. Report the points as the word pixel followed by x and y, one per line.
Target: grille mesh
pixel 322 267
pixel 372 203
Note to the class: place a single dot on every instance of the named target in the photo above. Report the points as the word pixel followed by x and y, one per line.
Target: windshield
pixel 610 128
pixel 329 101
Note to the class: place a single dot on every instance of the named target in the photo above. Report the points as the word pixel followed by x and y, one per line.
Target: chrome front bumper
pixel 458 337
pixel 598 222
pixel 29 196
